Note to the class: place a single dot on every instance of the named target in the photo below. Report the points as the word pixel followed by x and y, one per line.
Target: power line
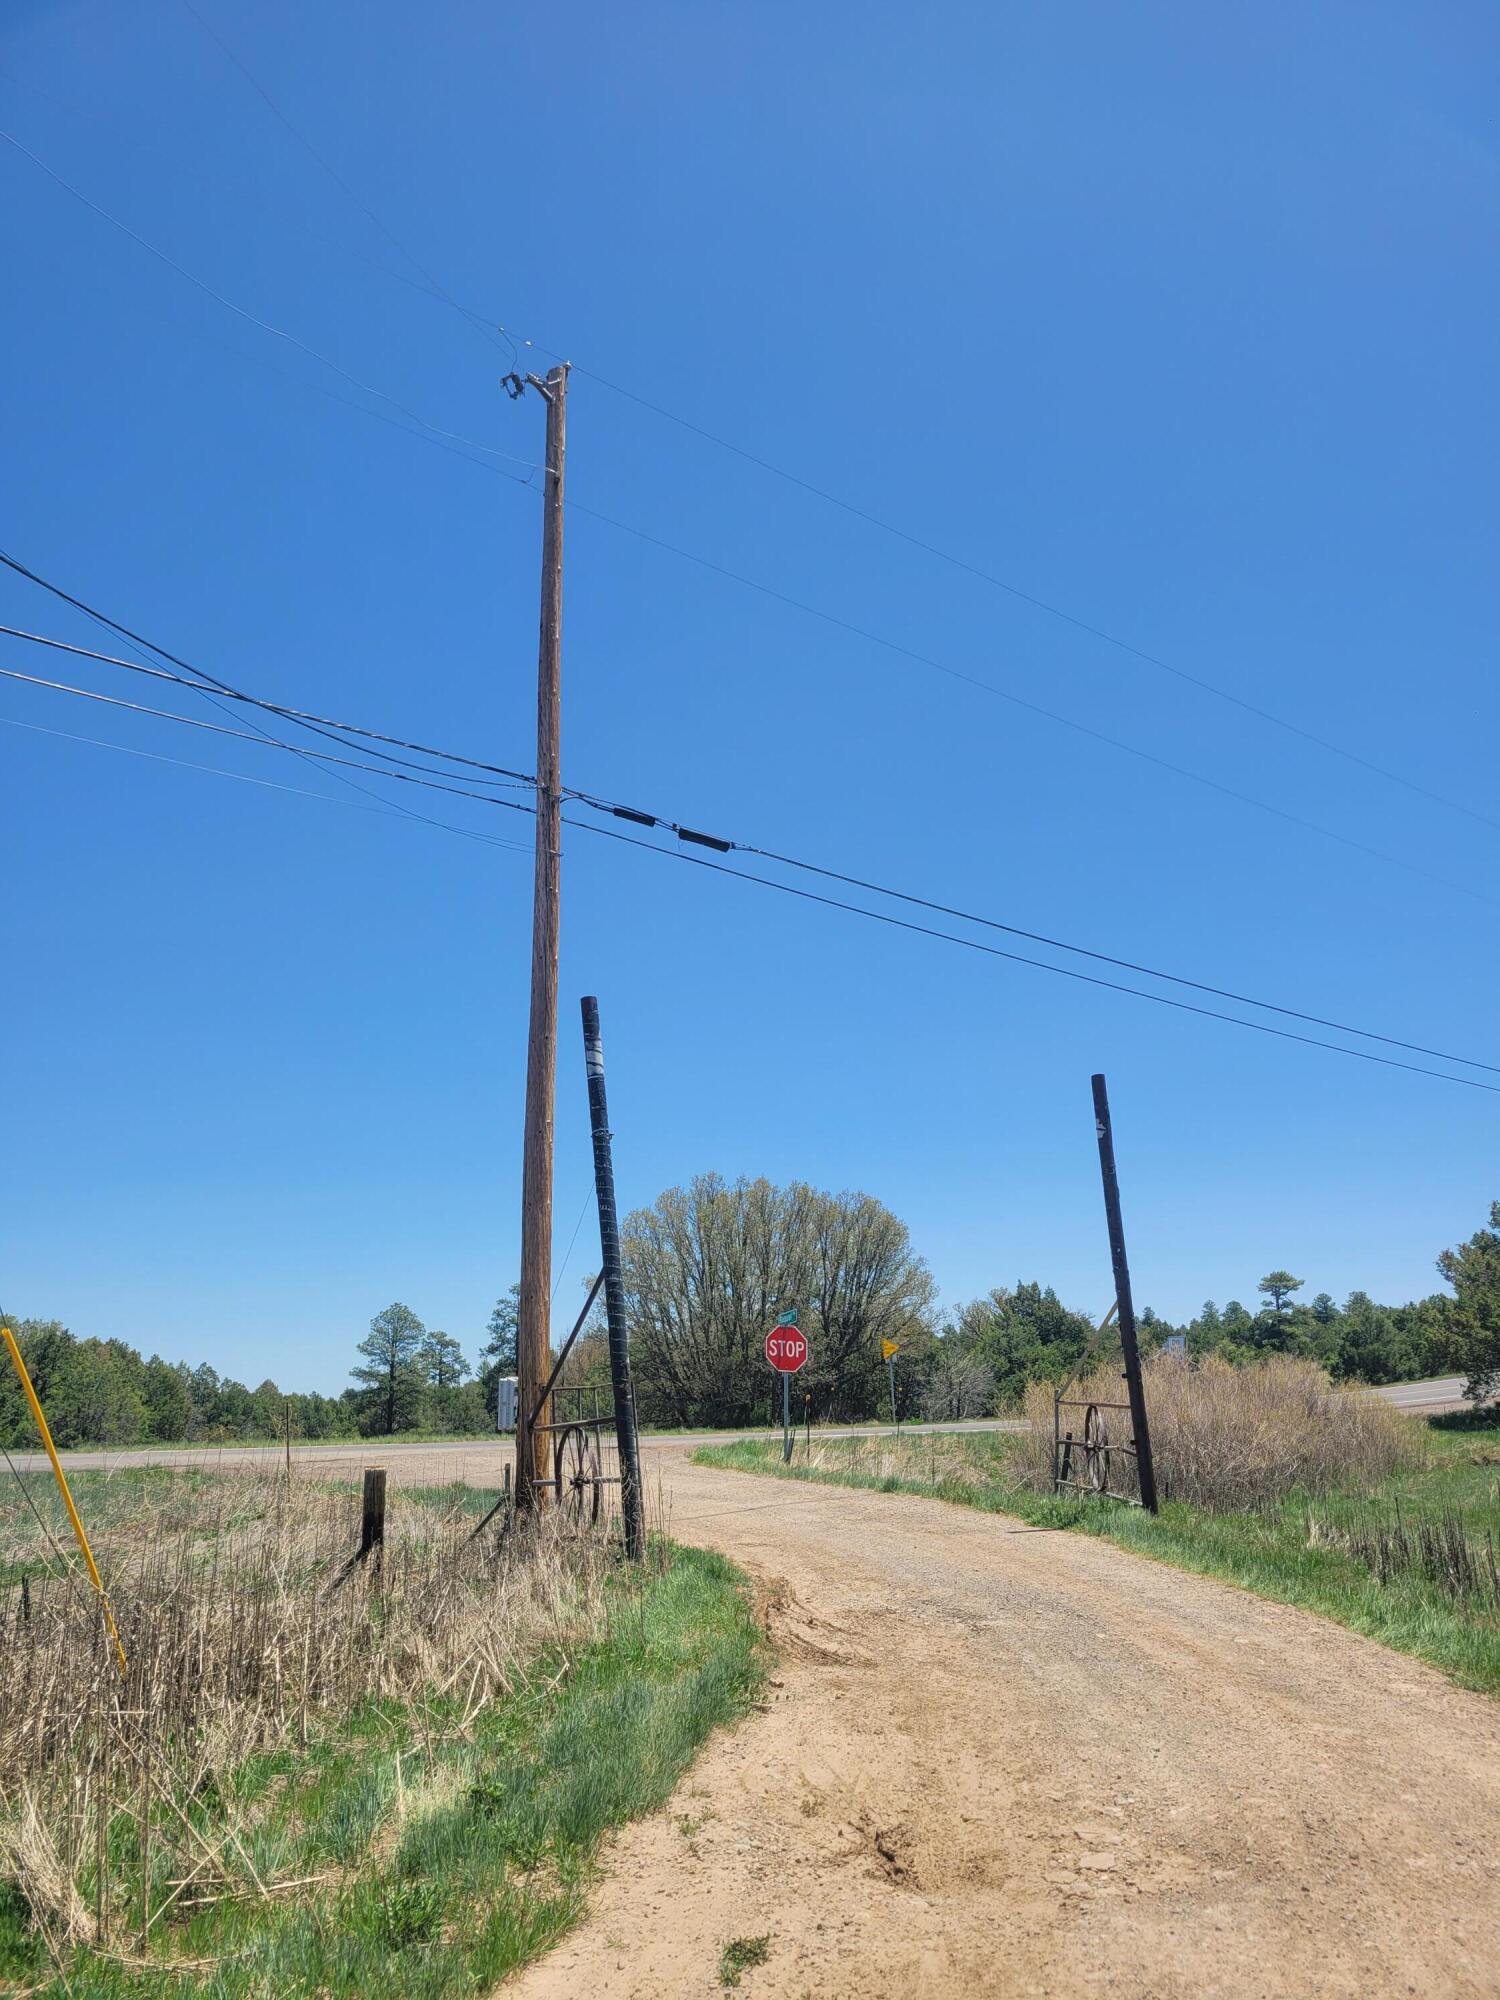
pixel 438 289
pixel 1016 930
pixel 266 326
pixel 200 675
pixel 391 811
pixel 699 838
pixel 246 736
pixel 723 845
pixel 484 324
pixel 1020 701
pixel 510 780
pixel 901 923
pixel 320 722
pixel 1027 597
pixel 1062 971
pixel 452 440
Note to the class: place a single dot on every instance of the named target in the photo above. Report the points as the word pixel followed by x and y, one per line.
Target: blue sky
pixel 1178 318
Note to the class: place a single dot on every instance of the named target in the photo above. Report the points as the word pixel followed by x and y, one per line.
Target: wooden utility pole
pixel 533 1330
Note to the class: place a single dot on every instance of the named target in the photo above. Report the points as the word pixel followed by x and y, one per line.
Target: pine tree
pixel 391 1372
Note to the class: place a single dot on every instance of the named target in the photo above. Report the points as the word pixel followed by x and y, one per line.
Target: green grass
pixel 740 1954
pixel 444 1858
pixel 1291 1553
pixel 114 1502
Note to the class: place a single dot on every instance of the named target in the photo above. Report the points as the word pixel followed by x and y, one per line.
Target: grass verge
pixel 421 1847
pixel 1317 1554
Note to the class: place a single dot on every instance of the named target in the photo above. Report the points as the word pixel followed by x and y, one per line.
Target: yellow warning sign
pixel 889 1349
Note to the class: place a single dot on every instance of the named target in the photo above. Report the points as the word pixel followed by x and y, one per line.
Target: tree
pixel 1025 1334
pixel 45 1345
pixel 442 1361
pixel 498 1355
pixel 391 1372
pixel 960 1382
pixel 95 1396
pixel 1278 1287
pixel 1472 1317
pixel 1371 1348
pixel 167 1399
pixel 709 1268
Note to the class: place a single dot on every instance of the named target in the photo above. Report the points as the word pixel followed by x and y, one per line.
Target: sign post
pixel 890 1349
pixel 786 1351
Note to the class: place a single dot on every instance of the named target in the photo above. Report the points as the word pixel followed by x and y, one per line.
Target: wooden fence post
pixel 372 1517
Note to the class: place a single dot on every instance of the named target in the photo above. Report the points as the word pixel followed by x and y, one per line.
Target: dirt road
pixel 999 1760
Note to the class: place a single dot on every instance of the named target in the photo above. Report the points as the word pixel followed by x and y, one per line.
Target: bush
pixel 1227 1438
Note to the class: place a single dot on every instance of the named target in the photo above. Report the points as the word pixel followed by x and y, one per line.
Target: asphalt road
pixel 1421 1398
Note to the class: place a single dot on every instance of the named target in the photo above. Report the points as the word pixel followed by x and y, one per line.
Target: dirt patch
pixel 1003 1762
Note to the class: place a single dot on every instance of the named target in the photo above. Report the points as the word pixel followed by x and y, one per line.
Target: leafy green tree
pixel 1371 1347
pixel 267 1411
pixel 1472 1317
pixel 95 1396
pixel 1206 1333
pixel 167 1399
pixel 1023 1333
pixel 45 1345
pixel 442 1361
pixel 1236 1321
pixel 710 1267
pixel 498 1355
pixel 391 1371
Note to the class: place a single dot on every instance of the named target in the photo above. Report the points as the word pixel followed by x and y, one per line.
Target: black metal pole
pixel 631 1497
pixel 1134 1385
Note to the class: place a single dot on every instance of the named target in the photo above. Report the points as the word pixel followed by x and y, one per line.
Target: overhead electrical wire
pixel 1041 965
pixel 694 836
pixel 1026 597
pixel 438 431
pixel 1032 707
pixel 391 811
pixel 453 440
pixel 203 681
pixel 246 736
pixel 438 290
pixel 486 325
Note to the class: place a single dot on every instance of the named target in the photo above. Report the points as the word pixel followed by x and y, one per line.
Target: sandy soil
pixel 998 1760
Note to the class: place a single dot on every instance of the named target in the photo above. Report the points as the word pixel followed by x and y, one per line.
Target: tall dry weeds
pixel 240 1636
pixel 1227 1438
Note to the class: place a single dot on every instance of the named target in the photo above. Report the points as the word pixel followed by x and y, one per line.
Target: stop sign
pixel 786 1349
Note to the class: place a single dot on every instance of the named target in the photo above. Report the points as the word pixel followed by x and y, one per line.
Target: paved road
pixel 1445 1393
pixel 392 1451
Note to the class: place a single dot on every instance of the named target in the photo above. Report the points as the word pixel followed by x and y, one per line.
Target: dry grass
pixel 242 1635
pixel 1227 1438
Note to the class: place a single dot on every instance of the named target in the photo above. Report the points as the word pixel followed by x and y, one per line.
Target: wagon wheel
pixel 575 1462
pixel 1096 1448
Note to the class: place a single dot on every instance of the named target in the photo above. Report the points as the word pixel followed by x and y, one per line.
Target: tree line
pixel 708 1269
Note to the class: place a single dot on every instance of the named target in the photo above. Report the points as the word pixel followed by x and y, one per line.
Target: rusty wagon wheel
pixel 575 1462
pixel 1096 1452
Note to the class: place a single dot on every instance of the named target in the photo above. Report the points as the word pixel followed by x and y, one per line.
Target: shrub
pixel 1229 1438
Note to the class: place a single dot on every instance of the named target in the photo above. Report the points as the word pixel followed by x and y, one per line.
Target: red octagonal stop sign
pixel 786 1349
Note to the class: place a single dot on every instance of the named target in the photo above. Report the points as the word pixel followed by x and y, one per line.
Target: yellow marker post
pixel 62 1486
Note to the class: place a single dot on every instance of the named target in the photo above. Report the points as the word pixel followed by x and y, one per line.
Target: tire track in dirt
pixel 997 1760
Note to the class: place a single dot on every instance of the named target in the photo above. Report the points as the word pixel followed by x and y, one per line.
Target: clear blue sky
pixel 1178 317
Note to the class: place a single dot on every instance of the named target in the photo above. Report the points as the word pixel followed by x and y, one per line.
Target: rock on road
pixel 999 1760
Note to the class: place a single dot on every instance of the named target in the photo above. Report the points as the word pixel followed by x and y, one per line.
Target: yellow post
pixel 62 1486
